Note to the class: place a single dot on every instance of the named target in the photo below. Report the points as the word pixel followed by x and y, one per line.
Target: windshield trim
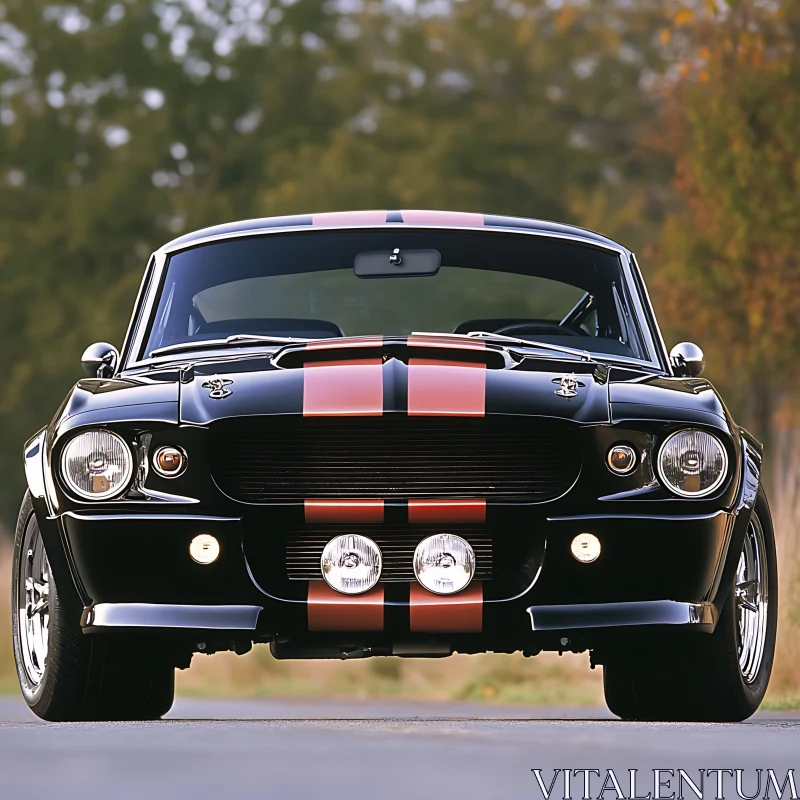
pixel 236 352
pixel 653 329
pixel 161 259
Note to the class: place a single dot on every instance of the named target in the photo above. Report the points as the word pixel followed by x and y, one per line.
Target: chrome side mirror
pixel 687 360
pixel 99 360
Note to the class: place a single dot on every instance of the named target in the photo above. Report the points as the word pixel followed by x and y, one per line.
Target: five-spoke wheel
pixel 33 597
pixel 752 600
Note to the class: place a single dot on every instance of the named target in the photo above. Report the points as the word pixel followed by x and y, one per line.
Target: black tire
pixel 699 677
pixel 80 677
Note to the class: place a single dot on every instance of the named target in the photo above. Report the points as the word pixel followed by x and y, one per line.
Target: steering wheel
pixel 519 328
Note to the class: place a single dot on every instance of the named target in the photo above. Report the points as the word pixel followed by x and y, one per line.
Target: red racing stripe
pixel 336 219
pixel 443 218
pixel 337 512
pixel 329 610
pixel 343 388
pixel 446 388
pixel 457 613
pixel 421 512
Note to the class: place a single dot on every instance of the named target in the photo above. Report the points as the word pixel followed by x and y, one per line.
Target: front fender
pixel 34 454
pixel 750 481
pixel 40 488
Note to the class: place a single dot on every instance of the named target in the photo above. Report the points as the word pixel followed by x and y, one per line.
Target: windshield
pixel 309 286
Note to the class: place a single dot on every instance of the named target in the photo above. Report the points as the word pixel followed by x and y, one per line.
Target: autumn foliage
pixel 730 250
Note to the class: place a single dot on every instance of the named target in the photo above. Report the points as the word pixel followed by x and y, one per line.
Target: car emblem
pixel 217 386
pixel 569 386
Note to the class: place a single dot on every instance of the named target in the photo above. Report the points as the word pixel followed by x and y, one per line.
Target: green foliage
pixel 125 123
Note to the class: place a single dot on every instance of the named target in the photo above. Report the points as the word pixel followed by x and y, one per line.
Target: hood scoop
pixel 451 349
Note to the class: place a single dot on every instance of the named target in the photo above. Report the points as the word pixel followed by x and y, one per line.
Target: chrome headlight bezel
pixel 708 490
pixel 127 473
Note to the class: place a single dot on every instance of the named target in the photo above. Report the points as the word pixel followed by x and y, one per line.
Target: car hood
pixel 117 399
pixel 433 376
pixel 657 397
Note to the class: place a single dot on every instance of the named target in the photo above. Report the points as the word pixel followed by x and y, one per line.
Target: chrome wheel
pixel 752 600
pixel 33 600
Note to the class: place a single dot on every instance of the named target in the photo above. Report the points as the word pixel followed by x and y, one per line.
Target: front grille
pixel 264 459
pixel 397 545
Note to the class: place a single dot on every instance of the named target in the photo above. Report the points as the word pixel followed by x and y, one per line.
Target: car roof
pixel 376 218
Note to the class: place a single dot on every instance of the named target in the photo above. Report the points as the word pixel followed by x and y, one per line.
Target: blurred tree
pixel 126 122
pixel 730 262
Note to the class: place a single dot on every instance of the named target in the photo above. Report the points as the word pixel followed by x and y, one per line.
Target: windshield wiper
pixel 584 355
pixel 255 337
pixel 238 338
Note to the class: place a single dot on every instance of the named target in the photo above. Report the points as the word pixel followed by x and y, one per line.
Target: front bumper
pixel 242 619
pixel 133 571
pixel 182 617
pixel 586 616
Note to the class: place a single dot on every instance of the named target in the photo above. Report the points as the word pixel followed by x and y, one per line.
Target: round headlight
pixel 351 564
pixel 97 464
pixel 692 463
pixel 444 563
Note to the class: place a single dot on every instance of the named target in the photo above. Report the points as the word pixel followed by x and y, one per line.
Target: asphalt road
pixel 349 750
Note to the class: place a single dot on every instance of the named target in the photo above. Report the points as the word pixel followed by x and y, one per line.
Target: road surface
pixel 351 749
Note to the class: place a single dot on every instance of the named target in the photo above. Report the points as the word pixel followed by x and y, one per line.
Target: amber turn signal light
pixel 169 462
pixel 621 459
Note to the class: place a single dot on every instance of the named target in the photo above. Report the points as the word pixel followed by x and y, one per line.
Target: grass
pixel 8 672
pixel 772 703
pixel 493 678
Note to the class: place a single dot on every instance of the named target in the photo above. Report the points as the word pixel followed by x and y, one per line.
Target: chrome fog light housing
pixel 351 563
pixel 97 464
pixel 444 563
pixel 692 463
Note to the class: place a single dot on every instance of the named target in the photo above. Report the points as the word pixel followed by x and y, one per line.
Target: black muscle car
pixel 404 433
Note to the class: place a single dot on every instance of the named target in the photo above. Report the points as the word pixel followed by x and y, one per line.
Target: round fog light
pixel 351 564
pixel 444 563
pixel 586 547
pixel 204 549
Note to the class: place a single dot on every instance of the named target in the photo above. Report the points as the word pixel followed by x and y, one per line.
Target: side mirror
pixel 99 360
pixel 687 360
